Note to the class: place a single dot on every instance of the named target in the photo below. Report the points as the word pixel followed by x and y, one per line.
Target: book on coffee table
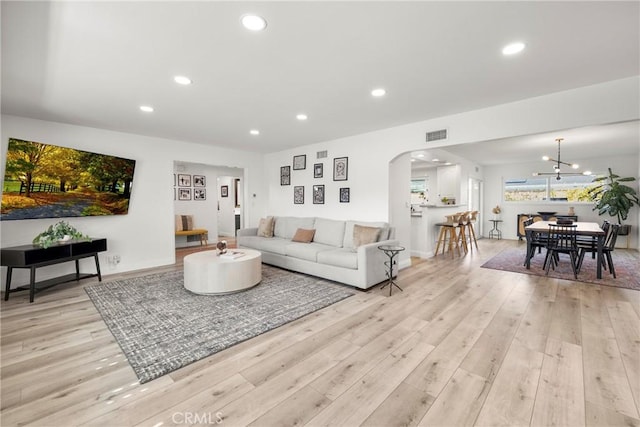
pixel 232 254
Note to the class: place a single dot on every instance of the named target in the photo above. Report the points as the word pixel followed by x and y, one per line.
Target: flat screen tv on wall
pixel 48 181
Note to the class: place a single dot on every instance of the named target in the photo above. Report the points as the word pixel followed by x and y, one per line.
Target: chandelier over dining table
pixel 557 163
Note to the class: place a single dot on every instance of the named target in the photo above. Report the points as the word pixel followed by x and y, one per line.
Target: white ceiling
pixel 95 63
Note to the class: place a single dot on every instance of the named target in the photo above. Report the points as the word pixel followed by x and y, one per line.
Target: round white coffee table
pixel 208 273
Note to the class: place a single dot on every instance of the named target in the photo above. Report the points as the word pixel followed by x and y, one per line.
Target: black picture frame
pixel 199 194
pixel 341 169
pixel 298 195
pixel 285 175
pixel 184 180
pixel 300 162
pixel 224 191
pixel 318 169
pixel 345 195
pixel 184 193
pixel 199 181
pixel 318 194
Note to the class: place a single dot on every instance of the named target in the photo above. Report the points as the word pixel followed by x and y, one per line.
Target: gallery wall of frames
pixel 340 172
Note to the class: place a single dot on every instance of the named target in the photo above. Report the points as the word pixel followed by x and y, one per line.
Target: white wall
pixel 495 175
pixel 369 154
pixel 145 236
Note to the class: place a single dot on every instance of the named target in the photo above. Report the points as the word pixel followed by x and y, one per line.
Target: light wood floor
pixel 462 345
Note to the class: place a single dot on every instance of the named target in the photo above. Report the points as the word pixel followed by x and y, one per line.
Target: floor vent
pixel 437 135
pixel 321 154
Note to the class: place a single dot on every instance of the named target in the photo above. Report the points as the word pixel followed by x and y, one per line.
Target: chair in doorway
pixel 607 249
pixel 562 240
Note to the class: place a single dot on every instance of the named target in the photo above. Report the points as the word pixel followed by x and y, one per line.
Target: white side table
pixel 207 273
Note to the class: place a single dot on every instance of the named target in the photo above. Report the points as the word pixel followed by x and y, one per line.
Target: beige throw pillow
pixel 364 235
pixel 265 227
pixel 303 235
pixel 184 222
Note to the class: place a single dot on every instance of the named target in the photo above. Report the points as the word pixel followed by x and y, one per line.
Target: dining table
pixel 592 229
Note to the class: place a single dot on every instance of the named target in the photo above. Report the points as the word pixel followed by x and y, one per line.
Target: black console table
pixel 33 256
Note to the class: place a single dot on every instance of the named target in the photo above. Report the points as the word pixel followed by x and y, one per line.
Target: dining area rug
pixel 626 263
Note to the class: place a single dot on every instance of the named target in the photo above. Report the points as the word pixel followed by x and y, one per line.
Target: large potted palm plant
pixel 615 198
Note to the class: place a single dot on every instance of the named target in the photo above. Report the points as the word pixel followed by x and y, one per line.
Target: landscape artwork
pixel 48 181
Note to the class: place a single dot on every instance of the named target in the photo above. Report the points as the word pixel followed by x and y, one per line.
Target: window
pixel 567 189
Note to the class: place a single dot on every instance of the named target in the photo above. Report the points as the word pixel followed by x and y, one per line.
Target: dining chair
pixel 607 249
pixel 537 241
pixel 591 242
pixel 562 240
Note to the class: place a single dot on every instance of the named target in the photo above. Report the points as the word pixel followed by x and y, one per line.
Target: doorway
pixel 474 202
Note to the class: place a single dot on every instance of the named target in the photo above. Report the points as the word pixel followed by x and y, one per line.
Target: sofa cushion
pixel 303 235
pixel 265 227
pixel 184 222
pixel 342 257
pixel 365 235
pixel 308 251
pixel 273 245
pixel 329 232
pixel 286 226
pixel 348 231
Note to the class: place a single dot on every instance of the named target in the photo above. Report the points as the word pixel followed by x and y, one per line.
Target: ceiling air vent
pixel 437 135
pixel 321 154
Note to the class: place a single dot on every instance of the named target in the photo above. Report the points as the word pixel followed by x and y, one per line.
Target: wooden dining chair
pixel 607 249
pixel 562 240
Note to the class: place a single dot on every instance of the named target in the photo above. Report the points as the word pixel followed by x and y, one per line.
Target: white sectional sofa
pixel 331 254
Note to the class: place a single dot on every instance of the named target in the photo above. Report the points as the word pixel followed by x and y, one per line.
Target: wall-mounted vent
pixel 321 154
pixel 437 135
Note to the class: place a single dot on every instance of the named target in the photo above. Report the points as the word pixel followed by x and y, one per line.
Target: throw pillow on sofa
pixel 303 235
pixel 265 227
pixel 364 235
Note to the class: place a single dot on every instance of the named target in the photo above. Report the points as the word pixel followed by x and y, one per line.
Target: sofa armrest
pixel 372 248
pixel 253 231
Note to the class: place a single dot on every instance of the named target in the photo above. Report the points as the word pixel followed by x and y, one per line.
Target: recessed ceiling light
pixel 413 160
pixel 513 48
pixel 420 155
pixel 254 132
pixel 253 22
pixel 435 160
pixel 182 80
pixel 301 117
pixel 146 108
pixel 378 92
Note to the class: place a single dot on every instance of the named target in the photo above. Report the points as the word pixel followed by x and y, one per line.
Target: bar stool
pixel 462 234
pixel 473 217
pixel 448 234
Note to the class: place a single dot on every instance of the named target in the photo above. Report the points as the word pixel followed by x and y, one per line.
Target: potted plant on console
pixel 615 198
pixel 58 233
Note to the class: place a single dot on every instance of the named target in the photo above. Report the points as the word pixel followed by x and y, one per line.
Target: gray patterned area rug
pixel 161 326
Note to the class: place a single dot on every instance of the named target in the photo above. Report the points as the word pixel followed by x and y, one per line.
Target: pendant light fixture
pixel 556 167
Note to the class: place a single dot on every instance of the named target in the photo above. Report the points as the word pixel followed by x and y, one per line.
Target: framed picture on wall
pixel 199 181
pixel 317 170
pixel 318 194
pixel 340 168
pixel 184 194
pixel 345 195
pixel 298 195
pixel 224 191
pixel 199 194
pixel 184 180
pixel 299 162
pixel 285 175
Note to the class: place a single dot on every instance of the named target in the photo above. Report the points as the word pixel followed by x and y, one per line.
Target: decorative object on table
pixel 345 195
pixel 224 191
pixel 184 194
pixel 199 181
pixel 572 211
pixel 614 198
pixel 496 212
pixel 59 232
pixel 184 180
pixel 222 247
pixel 318 169
pixel 627 272
pixel 300 162
pixel 136 312
pixel 285 175
pixel 558 163
pixel 318 194
pixel 340 168
pixel 298 195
